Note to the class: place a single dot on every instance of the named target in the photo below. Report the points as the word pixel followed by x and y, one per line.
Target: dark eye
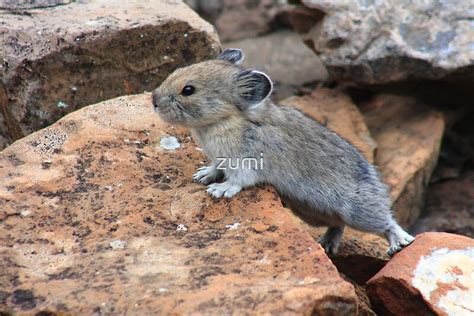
pixel 188 90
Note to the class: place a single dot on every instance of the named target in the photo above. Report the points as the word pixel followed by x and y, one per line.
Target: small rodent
pixel 320 175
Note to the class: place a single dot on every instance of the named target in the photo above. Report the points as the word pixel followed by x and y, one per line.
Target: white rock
pixel 117 244
pixel 169 143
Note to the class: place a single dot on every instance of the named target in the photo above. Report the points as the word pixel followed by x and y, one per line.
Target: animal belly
pixel 311 215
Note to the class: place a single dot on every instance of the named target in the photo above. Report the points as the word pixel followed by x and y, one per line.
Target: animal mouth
pixel 171 113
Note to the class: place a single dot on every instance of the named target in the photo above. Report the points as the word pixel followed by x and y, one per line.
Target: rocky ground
pixel 99 213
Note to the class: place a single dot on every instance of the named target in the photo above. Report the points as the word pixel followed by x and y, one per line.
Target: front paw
pixel 223 189
pixel 205 175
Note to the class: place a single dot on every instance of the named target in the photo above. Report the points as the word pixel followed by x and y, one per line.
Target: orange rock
pixel 433 275
pixel 408 136
pixel 100 216
pixel 363 302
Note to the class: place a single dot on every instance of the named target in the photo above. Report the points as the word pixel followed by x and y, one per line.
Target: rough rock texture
pixel 335 110
pixel 237 19
pixel 449 206
pixel 100 217
pixel 379 41
pixel 55 59
pixel 408 136
pixel 285 58
pixel 361 255
pixel 434 275
pixel 363 302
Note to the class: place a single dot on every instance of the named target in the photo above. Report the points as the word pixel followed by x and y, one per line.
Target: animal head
pixel 211 91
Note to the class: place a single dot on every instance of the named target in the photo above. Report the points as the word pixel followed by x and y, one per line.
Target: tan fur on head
pixel 217 90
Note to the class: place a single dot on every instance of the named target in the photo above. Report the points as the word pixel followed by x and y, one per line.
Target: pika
pixel 318 174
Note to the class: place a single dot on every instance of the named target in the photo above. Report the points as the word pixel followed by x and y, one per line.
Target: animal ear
pixel 232 55
pixel 253 87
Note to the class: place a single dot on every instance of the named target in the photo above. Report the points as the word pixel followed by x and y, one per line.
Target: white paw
pixel 406 240
pixel 223 189
pixel 399 244
pixel 205 175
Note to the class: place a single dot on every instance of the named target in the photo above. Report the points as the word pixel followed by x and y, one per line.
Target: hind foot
pixel 397 239
pixel 331 239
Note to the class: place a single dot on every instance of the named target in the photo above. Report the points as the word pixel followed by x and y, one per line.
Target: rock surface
pixel 408 136
pixel 433 275
pixel 57 58
pixel 449 201
pixel 449 206
pixel 363 302
pixel 375 42
pixel 361 255
pixel 238 19
pixel 336 111
pixel 284 58
pixel 100 216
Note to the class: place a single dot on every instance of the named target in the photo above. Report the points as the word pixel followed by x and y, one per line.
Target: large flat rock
pixel 100 216
pixel 57 56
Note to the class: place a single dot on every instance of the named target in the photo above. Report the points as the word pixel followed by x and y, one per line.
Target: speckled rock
pixel 374 42
pixel 100 216
pixel 434 275
pixel 57 56
pixel 336 111
pixel 238 19
pixel 408 136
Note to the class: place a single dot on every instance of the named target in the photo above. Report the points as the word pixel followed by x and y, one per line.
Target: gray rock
pixel 57 55
pixel 238 19
pixel 381 41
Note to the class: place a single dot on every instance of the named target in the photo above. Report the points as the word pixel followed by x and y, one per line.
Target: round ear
pixel 232 55
pixel 253 87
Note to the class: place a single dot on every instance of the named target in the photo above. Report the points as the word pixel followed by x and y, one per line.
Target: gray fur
pixel 319 175
pixel 232 55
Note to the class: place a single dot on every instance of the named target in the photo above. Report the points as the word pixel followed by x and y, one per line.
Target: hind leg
pixel 332 238
pixel 397 238
pixel 380 223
